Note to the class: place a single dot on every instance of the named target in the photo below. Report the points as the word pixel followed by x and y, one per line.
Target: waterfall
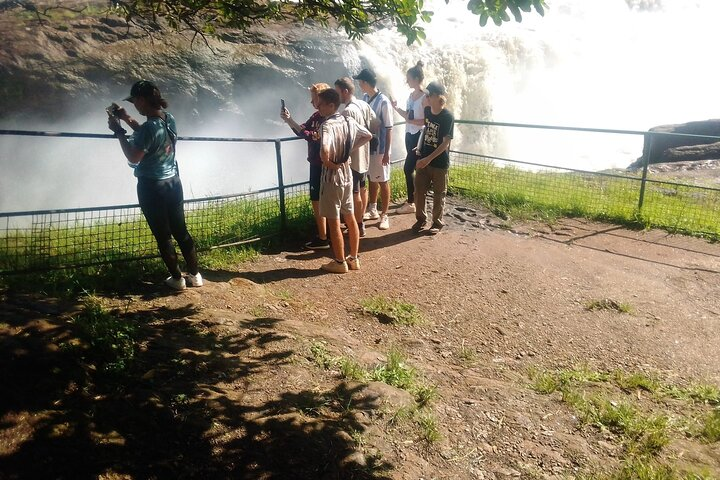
pixel 615 64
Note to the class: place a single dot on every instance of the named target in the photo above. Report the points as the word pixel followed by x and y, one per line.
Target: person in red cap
pixel 150 151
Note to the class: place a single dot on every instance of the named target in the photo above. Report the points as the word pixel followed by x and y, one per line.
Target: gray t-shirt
pixel 334 134
pixel 361 112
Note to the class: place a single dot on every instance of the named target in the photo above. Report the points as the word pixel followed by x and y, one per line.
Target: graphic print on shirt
pixel 432 134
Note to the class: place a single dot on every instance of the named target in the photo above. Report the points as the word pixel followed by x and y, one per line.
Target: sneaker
pixel 418 226
pixel 371 214
pixel 406 208
pixel 318 244
pixel 194 280
pixel 353 263
pixel 361 228
pixel 175 283
pixel 435 229
pixel 335 267
pixel 384 223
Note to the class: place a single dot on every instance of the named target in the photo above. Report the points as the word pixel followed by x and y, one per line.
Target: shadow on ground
pixel 174 411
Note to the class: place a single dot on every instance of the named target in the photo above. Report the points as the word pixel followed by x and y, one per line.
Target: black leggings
pixel 161 201
pixel 411 140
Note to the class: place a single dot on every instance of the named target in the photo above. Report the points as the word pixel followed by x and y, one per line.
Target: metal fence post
pixel 281 186
pixel 646 163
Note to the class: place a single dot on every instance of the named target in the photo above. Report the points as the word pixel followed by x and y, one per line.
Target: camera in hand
pixel 113 110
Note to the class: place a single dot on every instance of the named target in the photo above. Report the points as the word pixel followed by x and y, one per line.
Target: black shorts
pixel 315 174
pixel 359 180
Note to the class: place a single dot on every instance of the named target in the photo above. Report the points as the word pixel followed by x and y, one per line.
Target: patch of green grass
pixel 511 192
pixel 108 342
pixel 635 381
pixel 429 430
pixel 608 304
pixel 395 371
pixel 321 355
pixel 466 354
pixel 228 258
pixel 352 370
pixel 711 427
pixel 284 295
pixel 392 311
pixel 543 381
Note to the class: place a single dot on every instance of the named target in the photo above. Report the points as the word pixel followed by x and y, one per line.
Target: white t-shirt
pixel 418 112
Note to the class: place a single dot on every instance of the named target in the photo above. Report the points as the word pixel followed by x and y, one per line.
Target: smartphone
pixel 282 104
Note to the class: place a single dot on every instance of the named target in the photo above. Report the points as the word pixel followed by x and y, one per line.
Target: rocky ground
pixel 251 375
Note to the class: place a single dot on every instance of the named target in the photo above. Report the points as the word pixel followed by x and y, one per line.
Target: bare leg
pixel 374 189
pixel 353 234
pixel 385 196
pixel 319 221
pixel 336 237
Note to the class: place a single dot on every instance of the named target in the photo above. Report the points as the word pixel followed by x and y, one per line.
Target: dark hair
pixel 345 83
pixel 156 100
pixel 149 91
pixel 416 72
pixel 330 96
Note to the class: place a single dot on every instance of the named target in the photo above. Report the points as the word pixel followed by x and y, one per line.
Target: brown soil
pixel 225 385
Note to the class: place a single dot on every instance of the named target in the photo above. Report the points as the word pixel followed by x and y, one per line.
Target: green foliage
pixel 609 304
pixel 356 17
pixel 395 311
pixel 711 427
pixel 512 193
pixel 108 342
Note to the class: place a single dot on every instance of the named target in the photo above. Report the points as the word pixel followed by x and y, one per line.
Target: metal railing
pixel 53 239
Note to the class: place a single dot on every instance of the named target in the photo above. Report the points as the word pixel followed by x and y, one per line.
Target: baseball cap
pixel 435 88
pixel 142 88
pixel 367 75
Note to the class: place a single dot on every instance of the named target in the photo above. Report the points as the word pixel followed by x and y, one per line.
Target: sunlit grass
pixel 522 194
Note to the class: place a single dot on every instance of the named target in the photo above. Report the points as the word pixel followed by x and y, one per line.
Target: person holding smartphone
pixel 414 116
pixel 310 131
pixel 150 150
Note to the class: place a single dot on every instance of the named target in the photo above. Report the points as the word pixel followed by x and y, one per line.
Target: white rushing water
pixel 603 64
pixel 612 64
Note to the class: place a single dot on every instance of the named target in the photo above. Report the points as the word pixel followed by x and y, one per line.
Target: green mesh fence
pixel 508 186
pixel 80 237
pixel 52 239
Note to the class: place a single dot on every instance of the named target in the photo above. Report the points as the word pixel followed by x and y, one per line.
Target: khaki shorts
pixel 335 200
pixel 378 172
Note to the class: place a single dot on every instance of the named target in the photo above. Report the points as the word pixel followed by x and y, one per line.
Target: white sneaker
pixel 371 214
pixel 353 263
pixel 175 283
pixel 194 280
pixel 384 223
pixel 406 208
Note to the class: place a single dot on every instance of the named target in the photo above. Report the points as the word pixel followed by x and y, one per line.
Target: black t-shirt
pixel 437 127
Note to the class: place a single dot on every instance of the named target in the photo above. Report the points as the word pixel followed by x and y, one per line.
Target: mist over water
pixel 613 64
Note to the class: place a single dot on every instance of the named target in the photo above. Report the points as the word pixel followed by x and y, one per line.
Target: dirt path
pixel 229 384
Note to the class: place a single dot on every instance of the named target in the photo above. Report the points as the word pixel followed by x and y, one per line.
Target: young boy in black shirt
pixel 433 159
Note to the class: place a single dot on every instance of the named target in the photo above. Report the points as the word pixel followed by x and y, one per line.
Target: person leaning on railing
pixel 150 151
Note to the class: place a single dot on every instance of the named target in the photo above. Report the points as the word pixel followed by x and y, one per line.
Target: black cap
pixel 142 88
pixel 435 88
pixel 367 75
